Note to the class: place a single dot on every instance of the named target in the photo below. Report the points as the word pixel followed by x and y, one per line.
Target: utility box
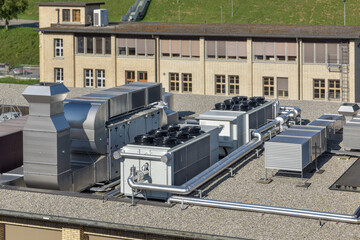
pixel 101 17
pixel 288 153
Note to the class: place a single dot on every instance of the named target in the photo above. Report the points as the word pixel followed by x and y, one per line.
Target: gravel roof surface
pixel 243 187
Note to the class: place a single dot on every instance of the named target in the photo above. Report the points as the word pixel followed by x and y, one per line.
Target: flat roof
pixel 215 30
pixel 68 4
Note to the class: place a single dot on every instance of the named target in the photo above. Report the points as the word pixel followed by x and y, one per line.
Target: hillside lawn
pixel 18 81
pixel 303 12
pixel 19 45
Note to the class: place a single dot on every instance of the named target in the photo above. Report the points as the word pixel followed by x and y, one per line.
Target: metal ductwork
pixel 46 137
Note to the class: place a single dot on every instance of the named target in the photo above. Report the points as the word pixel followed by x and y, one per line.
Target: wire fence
pixel 21 72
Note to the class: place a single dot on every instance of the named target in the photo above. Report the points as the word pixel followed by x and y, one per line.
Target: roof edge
pixel 68 4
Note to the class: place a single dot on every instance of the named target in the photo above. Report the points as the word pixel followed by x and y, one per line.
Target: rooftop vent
pixel 349 110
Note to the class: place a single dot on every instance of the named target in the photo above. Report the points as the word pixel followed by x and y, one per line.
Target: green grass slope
pixel 304 12
pixel 116 8
pixel 19 45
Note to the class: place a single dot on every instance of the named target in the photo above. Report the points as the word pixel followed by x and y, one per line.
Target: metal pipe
pixel 267 209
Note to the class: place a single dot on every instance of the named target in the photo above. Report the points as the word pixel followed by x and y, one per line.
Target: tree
pixel 9 9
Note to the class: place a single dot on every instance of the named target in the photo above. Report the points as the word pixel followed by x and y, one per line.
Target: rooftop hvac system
pixel 238 116
pixel 351 133
pixel 11 143
pixel 332 122
pixel 348 110
pixel 169 156
pixel 46 137
pixel 288 153
pixel 105 121
pixel 101 17
pixel 88 115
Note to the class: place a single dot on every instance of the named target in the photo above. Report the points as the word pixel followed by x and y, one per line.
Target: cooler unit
pixel 101 17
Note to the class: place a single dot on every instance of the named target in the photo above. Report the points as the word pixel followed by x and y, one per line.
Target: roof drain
pixel 218 167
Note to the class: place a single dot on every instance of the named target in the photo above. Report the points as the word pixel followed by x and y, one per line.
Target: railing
pixel 136 11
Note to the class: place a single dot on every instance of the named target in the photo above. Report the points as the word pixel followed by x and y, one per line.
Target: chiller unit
pixel 238 116
pixel 169 156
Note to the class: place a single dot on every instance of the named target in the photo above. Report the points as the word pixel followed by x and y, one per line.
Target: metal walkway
pixel 350 180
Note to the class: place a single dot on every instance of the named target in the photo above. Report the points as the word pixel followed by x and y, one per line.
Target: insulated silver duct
pixel 218 167
pixel 268 209
pixel 46 137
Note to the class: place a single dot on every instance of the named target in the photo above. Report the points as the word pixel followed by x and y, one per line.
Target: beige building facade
pixel 274 61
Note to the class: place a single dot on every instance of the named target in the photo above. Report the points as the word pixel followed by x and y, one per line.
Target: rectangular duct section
pixel 46 137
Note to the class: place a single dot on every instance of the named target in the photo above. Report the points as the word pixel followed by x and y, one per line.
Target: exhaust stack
pixel 46 137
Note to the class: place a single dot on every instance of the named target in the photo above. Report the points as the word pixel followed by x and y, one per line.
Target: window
pixel 66 15
pixel 58 47
pixel 89 45
pixel 107 45
pixel 129 76
pixel 142 76
pixel 279 50
pixel 334 89
pixel 76 15
pixel 180 48
pixel 99 45
pixel 282 87
pixel 131 50
pixel 174 82
pixel 229 49
pixel 268 86
pixel 59 76
pixel 100 78
pixel 187 82
pixel 319 89
pixel 80 45
pixel 89 78
pixel 322 52
pixel 220 85
pixel 135 47
pixel 234 85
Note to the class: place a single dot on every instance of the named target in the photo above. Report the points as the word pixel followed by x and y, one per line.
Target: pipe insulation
pixel 268 209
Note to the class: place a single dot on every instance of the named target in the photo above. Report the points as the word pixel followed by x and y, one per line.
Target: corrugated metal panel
pixel 287 153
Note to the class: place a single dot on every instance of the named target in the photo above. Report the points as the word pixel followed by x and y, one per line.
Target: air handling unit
pixel 68 144
pixel 238 116
pixel 101 17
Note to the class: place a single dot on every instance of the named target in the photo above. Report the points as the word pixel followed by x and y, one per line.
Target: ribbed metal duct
pixel 46 137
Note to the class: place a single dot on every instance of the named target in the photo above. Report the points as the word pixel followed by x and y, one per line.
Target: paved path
pixel 22 23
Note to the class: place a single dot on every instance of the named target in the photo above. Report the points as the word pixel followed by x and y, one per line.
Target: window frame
pixel 67 15
pixel 225 57
pixel 234 84
pixel 58 48
pixel 186 82
pixel 76 14
pixel 174 82
pixel 318 89
pixel 59 72
pixel 336 91
pixel 132 76
pixel 269 87
pixel 282 93
pixel 180 55
pixel 142 76
pixel 89 78
pixel 220 84
pixel 100 80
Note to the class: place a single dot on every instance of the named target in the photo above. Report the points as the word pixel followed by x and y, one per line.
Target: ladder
pixel 344 81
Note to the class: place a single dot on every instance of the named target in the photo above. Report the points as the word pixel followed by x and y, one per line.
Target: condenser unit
pixel 101 17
